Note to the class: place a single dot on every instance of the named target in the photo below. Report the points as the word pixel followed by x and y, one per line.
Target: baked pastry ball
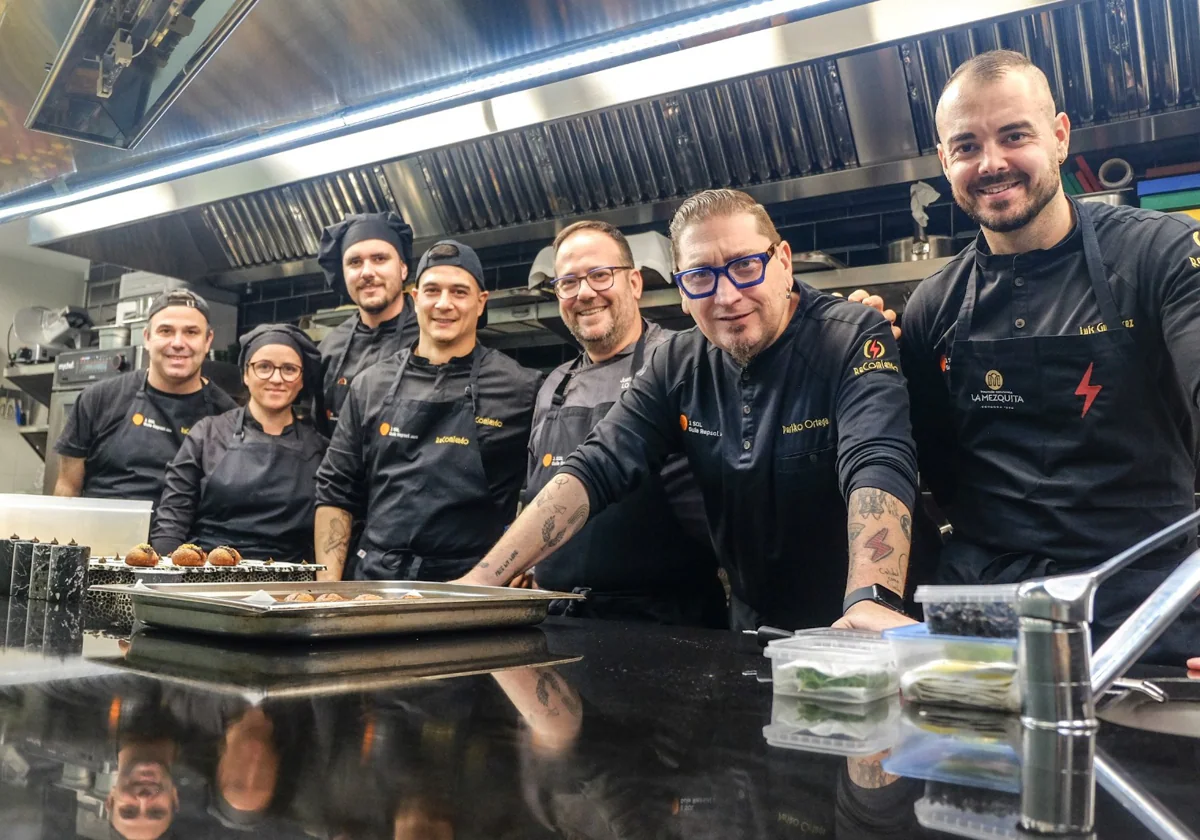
pixel 142 554
pixel 331 596
pixel 300 597
pixel 368 596
pixel 223 555
pixel 188 554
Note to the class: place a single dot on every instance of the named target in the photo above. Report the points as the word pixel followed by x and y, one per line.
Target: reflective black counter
pixel 573 729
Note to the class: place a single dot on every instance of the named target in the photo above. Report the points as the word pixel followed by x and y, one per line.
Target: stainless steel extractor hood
pixel 123 62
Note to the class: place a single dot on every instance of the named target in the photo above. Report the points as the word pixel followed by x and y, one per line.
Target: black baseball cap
pixel 180 297
pixel 453 252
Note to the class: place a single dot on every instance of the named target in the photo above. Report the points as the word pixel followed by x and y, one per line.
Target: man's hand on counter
pixel 875 302
pixel 1193 666
pixel 867 615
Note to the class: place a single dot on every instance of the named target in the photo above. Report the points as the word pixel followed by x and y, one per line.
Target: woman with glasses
pixel 246 477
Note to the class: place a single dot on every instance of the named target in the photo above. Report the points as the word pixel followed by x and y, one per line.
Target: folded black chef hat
pixel 310 358
pixel 453 252
pixel 180 297
pixel 359 227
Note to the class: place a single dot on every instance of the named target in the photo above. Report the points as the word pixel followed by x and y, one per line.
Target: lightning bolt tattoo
pixel 878 545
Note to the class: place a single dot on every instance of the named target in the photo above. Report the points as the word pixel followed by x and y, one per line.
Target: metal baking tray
pixel 258 671
pixel 222 608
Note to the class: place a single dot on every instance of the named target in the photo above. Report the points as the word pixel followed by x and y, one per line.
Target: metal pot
pixel 910 249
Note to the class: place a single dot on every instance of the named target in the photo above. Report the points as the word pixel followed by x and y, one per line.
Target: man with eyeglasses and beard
pixel 1053 364
pixel 648 557
pixel 792 413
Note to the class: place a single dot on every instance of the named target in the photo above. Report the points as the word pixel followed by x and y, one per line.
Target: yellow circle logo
pixel 683 422
pixel 138 419
pixel 384 428
pixel 993 380
pixel 547 459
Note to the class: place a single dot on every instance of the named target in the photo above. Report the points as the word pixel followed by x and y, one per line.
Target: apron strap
pixel 340 361
pixel 639 354
pixel 405 357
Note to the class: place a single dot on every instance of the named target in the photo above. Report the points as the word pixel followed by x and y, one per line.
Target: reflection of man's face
pixel 249 765
pixel 414 821
pixel 143 801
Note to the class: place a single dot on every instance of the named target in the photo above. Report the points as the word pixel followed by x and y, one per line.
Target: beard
pixel 619 323
pixel 1039 193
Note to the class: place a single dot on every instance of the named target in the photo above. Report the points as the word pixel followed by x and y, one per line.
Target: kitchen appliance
pixel 912 249
pixel 47 332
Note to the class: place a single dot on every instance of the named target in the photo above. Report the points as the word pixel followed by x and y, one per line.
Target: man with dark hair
pixel 638 559
pixel 122 432
pixel 1053 365
pixel 791 411
pixel 430 448
pixel 370 254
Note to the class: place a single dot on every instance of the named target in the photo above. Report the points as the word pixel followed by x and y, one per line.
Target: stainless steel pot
pixel 910 249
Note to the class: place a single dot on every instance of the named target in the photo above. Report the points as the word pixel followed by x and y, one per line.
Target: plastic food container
pixel 966 812
pixel 829 666
pixel 850 729
pixel 988 611
pixel 958 747
pixel 956 670
pixel 109 526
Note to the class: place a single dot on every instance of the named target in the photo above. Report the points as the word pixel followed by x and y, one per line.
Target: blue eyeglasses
pixel 742 272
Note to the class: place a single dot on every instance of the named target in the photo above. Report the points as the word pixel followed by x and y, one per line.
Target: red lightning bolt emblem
pixel 1087 390
pixel 878 545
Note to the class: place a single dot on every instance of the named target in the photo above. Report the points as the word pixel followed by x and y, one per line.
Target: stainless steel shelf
pixel 37 437
pixel 35 380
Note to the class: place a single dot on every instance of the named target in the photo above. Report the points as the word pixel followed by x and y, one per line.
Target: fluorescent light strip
pixel 533 71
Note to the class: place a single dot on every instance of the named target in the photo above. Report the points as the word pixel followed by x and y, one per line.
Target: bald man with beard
pixel 1053 365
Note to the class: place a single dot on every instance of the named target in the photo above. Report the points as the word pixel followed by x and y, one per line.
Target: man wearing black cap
pixel 122 432
pixel 430 449
pixel 370 253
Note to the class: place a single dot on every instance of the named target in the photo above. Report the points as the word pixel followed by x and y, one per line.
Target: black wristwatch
pixel 879 594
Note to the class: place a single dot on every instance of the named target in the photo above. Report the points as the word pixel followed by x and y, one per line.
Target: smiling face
pixel 177 339
pixel 602 321
pixel 1001 147
pixel 742 322
pixel 374 274
pixel 274 394
pixel 143 801
pixel 449 303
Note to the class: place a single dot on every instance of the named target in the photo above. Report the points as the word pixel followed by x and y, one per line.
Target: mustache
pixel 1003 178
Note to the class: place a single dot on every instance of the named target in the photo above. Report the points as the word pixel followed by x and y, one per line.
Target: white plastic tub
pixel 109 526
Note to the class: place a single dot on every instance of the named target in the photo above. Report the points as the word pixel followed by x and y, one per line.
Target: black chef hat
pixel 359 227
pixel 453 252
pixel 180 297
pixel 310 358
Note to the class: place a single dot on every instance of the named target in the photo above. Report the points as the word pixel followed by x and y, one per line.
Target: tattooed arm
pixel 549 706
pixel 880 530
pixel 331 539
pixel 554 516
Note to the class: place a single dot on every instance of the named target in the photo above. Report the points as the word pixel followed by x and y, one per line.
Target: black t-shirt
pixel 127 437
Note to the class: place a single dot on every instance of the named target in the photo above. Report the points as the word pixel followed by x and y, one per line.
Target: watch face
pixel 888 598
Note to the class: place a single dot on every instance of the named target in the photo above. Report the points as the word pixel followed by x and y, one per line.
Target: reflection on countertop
pixel 574 729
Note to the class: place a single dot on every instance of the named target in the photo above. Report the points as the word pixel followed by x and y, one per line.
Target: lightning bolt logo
pixel 1087 390
pixel 878 545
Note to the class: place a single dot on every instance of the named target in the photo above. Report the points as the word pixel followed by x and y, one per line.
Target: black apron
pixel 336 383
pixel 260 497
pixel 132 463
pixel 430 514
pixel 632 560
pixel 1043 450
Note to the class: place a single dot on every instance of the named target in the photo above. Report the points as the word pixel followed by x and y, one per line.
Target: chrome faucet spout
pixel 1146 624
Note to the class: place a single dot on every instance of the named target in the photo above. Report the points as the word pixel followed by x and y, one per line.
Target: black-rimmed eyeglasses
pixel 598 279
pixel 742 272
pixel 287 371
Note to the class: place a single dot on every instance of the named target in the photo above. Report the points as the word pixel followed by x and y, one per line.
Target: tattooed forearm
pixel 879 527
pixel 503 566
pixel 331 539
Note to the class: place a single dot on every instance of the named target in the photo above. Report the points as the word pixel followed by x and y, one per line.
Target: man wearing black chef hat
pixel 430 447
pixel 122 432
pixel 370 253
pixel 792 413
pixel 248 477
pixel 638 559
pixel 1054 365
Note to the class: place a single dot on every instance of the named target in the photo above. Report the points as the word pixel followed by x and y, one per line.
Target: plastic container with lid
pixel 979 753
pixel 830 666
pixel 956 670
pixel 802 723
pixel 967 812
pixel 987 610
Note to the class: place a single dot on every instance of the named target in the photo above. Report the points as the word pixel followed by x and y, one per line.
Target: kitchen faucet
pixel 1059 676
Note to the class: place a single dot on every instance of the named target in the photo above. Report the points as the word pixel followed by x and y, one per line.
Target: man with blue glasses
pixel 791 410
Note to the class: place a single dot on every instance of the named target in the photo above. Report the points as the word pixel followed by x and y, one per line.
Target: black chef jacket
pixel 1122 466
pixel 506 396
pixel 186 513
pixel 351 347
pixel 100 414
pixel 777 447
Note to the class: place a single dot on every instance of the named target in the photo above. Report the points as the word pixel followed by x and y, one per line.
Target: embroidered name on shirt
pixel 488 421
pixel 1195 262
pixel 455 439
pixel 870 366
pixel 1092 329
pixel 626 381
pixel 811 423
